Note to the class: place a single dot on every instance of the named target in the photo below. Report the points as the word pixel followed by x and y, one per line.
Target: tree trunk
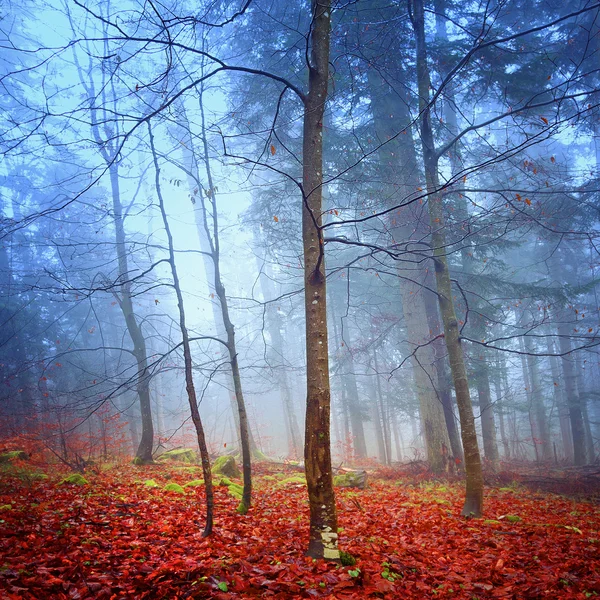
pixel 213 239
pixel 559 399
pixel 474 484
pixel 187 357
pixel 538 402
pixel 274 325
pixel 317 450
pixel 207 244
pixel 583 401
pixel 144 451
pixel 575 414
pixel 486 411
pixel 398 164
pixel 384 412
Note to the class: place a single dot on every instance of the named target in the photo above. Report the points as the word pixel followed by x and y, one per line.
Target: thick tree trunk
pixel 398 164
pixel 317 451
pixel 187 357
pixel 474 485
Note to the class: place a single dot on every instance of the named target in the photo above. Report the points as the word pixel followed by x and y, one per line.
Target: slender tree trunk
pixel 397 438
pixel 144 451
pixel 215 253
pixel 474 485
pixel 384 412
pixel 537 398
pixel 187 356
pixel 486 410
pixel 208 242
pixel 575 414
pixel 559 399
pixel 500 412
pixel 528 396
pixel 274 325
pixel 317 450
pixel 582 392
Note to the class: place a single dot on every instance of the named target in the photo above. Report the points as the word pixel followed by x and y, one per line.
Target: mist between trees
pixel 332 232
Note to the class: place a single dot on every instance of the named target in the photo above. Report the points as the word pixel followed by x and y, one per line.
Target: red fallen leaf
pixel 384 586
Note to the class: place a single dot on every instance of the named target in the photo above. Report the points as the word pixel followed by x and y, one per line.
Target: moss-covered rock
pixel 355 479
pixel 235 490
pixel 174 487
pixel 226 465
pixel 75 479
pixel 188 455
pixel 8 457
pixel 151 483
pixel 513 518
pixel 194 483
pixel 295 480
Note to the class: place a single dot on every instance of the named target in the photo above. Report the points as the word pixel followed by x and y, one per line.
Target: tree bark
pixel 187 356
pixel 474 484
pixel 323 537
pixel 575 414
pixel 561 404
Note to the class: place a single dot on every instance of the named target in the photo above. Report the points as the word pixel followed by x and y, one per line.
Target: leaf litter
pixel 118 538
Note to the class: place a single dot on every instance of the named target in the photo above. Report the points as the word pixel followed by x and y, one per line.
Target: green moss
pixel 151 483
pixel 491 522
pixel 513 518
pixel 225 481
pixel 347 559
pixel 194 483
pixel 7 457
pixel 190 470
pixel 187 455
pixel 75 479
pixel 269 478
pixel 138 461
pixel 5 507
pixel 296 479
pixel 354 480
pixel 226 465
pixel 235 490
pixel 174 487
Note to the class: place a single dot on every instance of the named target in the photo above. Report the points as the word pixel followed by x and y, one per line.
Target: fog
pixel 117 121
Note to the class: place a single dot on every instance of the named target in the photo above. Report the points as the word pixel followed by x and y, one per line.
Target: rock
pixel 354 479
pixel 296 479
pixel 226 465
pixel 75 479
pixel 194 483
pixel 7 457
pixel 174 487
pixel 187 455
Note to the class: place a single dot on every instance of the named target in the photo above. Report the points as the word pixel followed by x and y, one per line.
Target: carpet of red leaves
pixel 116 539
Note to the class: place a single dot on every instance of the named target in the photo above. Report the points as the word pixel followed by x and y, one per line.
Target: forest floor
pixel 117 538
